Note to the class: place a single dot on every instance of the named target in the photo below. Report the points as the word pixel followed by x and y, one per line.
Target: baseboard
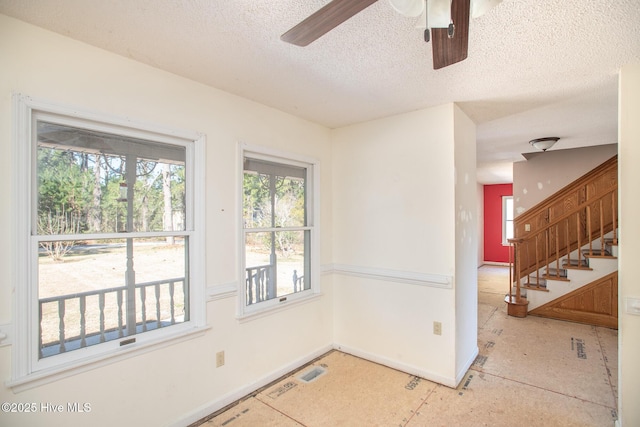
pixel 404 367
pixel 465 368
pixel 228 399
pixel 497 263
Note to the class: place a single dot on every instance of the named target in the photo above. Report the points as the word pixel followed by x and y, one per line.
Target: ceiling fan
pixel 445 23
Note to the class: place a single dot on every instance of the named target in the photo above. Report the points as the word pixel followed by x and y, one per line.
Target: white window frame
pixel 244 311
pixel 505 241
pixel 28 369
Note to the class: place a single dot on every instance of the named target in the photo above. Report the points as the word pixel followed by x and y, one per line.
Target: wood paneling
pixel 593 304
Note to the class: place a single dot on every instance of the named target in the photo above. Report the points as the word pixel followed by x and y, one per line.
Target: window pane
pixel 93 182
pixel 507 218
pixel 256 201
pixel 84 298
pixel 508 208
pixel 276 264
pixel 290 202
pixel 274 195
pixel 509 229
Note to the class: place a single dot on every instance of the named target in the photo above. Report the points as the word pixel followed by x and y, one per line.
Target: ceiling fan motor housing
pixel 447 23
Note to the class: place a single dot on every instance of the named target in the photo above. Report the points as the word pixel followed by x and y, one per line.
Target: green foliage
pixel 62 183
pixel 70 186
pixel 274 202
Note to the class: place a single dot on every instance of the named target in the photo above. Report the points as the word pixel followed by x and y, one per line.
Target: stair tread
pixel 575 264
pixel 597 253
pixel 576 267
pixel 553 277
pixel 536 288
pixel 514 300
pixel 555 272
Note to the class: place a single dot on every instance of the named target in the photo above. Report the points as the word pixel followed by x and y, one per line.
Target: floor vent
pixel 313 374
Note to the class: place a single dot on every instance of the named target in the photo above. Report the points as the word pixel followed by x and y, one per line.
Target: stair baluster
pixel 615 216
pixel 578 233
pixel 547 243
pixel 557 252
pixel 516 304
pixel 537 268
pixel 601 229
pixel 568 242
pixel 589 235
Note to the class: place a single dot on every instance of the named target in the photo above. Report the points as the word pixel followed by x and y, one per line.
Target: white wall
pixel 466 242
pixel 545 173
pixel 394 240
pixel 179 382
pixel 629 249
pixel 391 179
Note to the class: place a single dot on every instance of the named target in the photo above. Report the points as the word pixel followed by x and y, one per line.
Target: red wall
pixel 493 249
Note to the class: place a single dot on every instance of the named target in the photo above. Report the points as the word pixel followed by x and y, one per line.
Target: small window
pixel 278 231
pixel 507 219
pixel 112 223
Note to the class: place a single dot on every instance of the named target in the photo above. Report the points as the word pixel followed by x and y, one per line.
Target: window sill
pixel 268 311
pixel 46 376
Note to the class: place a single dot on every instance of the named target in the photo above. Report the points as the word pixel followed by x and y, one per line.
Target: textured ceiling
pixel 535 67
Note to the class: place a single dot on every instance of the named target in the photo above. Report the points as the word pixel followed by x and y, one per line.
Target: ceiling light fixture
pixel 544 143
pixel 438 11
pixel 413 8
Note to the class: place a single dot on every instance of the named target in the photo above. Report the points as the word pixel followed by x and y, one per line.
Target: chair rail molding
pixel 400 276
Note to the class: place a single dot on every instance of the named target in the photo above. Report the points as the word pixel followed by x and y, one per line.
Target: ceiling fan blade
pixel 446 50
pixel 324 20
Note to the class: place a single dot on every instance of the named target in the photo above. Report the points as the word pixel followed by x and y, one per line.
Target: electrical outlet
pixel 527 227
pixel 632 305
pixel 437 328
pixel 219 359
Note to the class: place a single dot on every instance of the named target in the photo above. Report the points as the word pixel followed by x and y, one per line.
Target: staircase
pixel 563 260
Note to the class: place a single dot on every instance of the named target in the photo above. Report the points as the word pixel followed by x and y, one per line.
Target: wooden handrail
pixel 580 206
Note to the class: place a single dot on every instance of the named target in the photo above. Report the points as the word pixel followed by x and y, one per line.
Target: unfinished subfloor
pixel 531 372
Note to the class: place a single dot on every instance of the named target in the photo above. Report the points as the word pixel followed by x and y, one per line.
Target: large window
pixel 507 219
pixel 278 230
pixel 112 226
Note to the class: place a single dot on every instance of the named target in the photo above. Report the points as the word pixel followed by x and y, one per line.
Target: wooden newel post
pixel 516 304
